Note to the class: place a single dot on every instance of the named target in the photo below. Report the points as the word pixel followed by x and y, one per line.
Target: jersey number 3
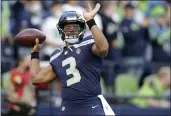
pixel 71 70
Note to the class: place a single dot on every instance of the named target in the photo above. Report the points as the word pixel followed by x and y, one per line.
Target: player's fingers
pixel 37 41
pixel 96 9
pixel 89 7
pixel 37 46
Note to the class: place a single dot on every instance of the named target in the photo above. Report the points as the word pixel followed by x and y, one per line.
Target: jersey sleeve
pixel 88 41
pixel 53 58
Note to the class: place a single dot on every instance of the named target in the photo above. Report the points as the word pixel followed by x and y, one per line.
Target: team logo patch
pixel 78 50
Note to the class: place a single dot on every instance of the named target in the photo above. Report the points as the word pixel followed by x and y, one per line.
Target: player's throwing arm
pixel 40 76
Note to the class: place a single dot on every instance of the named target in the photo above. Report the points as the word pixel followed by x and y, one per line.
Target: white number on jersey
pixel 72 70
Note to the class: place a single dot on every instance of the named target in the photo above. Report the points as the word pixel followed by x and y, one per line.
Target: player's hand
pixel 36 48
pixel 91 12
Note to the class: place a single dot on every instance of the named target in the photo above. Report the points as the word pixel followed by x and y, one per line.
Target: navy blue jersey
pixel 78 69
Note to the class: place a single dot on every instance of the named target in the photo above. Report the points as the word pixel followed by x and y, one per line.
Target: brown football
pixel 28 36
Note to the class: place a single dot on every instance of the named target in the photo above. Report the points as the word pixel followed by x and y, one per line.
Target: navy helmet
pixel 71 17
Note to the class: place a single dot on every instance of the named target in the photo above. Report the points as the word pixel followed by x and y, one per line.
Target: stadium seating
pixel 125 84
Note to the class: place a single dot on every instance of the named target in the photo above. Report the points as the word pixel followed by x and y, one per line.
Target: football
pixel 27 37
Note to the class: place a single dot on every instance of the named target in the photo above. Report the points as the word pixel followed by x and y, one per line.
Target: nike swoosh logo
pixel 95 106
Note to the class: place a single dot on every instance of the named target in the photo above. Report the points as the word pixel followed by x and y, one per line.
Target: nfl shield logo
pixel 63 108
pixel 78 51
pixel 66 52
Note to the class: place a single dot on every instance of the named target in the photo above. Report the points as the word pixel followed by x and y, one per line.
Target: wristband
pixel 91 23
pixel 34 55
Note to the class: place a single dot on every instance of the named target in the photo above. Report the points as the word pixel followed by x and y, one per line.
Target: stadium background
pixel 138 48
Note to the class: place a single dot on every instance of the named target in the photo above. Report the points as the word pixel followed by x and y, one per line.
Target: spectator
pixel 20 19
pixel 110 30
pixel 20 91
pixel 135 42
pixel 119 11
pixel 36 12
pixel 154 86
pixel 53 39
pixel 159 33
pixel 7 54
pixel 7 51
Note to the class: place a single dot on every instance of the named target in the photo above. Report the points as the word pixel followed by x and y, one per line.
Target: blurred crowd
pixel 138 33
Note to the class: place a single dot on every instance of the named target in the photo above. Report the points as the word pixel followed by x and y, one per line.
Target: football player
pixel 78 65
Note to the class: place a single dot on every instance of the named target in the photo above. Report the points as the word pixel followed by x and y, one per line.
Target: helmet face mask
pixel 71 27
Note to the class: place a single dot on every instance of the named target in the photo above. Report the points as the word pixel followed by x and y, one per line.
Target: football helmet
pixel 71 17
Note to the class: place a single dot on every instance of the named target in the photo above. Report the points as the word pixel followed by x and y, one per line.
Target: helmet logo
pixel 71 18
